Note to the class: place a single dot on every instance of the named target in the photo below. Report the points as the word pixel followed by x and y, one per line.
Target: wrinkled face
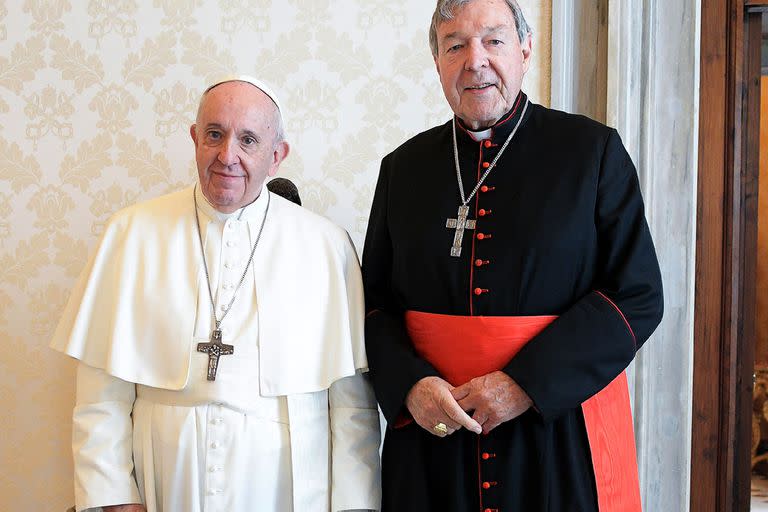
pixel 235 144
pixel 481 61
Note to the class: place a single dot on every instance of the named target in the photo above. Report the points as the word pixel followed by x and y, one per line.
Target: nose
pixel 477 56
pixel 228 152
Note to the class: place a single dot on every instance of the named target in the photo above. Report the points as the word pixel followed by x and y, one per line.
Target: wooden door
pixel 726 247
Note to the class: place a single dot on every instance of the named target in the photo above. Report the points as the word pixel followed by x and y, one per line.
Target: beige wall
pixel 95 102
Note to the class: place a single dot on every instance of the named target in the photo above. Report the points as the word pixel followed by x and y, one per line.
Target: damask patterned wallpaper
pixel 96 97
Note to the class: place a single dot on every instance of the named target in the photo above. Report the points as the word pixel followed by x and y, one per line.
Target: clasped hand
pixel 492 399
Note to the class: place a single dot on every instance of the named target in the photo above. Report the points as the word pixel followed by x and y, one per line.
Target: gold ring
pixel 440 428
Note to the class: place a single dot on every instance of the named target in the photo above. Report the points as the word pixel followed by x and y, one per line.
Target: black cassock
pixel 563 233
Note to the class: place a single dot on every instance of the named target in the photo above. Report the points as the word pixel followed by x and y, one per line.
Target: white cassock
pixel 290 423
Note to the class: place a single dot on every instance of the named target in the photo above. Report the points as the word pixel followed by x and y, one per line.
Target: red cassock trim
pixel 626 322
pixel 464 347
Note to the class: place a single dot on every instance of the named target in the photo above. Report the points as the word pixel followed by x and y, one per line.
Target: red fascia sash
pixel 464 347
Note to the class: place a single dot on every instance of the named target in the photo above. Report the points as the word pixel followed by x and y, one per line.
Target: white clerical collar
pixel 481 135
pixel 253 211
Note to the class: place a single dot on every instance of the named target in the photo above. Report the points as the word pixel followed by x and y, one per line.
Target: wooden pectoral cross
pixel 459 224
pixel 215 348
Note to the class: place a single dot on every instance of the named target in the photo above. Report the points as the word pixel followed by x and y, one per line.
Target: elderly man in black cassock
pixel 510 278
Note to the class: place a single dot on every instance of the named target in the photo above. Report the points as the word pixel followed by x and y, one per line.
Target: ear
pixel 281 151
pixel 193 134
pixel 527 49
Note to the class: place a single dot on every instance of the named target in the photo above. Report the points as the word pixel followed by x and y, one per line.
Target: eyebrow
pixel 487 30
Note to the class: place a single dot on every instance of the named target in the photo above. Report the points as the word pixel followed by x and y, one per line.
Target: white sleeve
pixel 102 440
pixel 355 439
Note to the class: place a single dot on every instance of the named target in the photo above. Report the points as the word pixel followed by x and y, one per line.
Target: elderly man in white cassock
pixel 219 333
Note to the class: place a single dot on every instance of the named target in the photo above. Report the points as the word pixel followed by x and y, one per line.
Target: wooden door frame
pixel 726 254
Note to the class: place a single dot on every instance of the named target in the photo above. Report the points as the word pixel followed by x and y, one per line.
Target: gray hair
pixel 446 9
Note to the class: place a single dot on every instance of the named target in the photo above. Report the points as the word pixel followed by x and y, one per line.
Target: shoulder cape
pixel 133 308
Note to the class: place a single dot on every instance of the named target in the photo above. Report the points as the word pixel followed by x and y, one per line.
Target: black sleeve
pixel 597 337
pixel 393 364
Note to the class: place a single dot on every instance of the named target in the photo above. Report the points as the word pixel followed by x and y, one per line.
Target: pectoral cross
pixel 215 349
pixel 459 224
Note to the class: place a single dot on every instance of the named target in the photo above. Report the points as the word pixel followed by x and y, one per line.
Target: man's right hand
pixel 430 402
pixel 133 507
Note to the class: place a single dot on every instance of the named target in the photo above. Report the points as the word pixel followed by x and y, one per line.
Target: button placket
pixel 230 256
pixel 482 214
pixel 487 473
pixel 216 455
pixel 226 279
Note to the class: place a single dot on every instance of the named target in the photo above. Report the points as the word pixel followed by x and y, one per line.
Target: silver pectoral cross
pixel 459 224
pixel 215 348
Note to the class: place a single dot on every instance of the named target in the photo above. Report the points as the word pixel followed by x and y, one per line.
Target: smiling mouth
pixel 226 176
pixel 479 87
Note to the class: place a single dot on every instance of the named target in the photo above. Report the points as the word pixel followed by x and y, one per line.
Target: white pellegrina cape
pixel 139 326
pixel 133 311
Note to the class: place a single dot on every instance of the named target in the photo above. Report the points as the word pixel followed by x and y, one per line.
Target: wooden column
pixel 726 255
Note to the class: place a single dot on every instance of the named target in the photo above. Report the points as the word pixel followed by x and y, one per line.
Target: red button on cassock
pixel 480 291
pixel 483 236
pixel 483 212
pixel 486 456
pixel 486 165
pixel 478 263
pixel 486 485
pixel 487 143
pixel 484 188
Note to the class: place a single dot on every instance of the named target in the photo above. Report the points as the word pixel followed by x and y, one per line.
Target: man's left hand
pixel 494 398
